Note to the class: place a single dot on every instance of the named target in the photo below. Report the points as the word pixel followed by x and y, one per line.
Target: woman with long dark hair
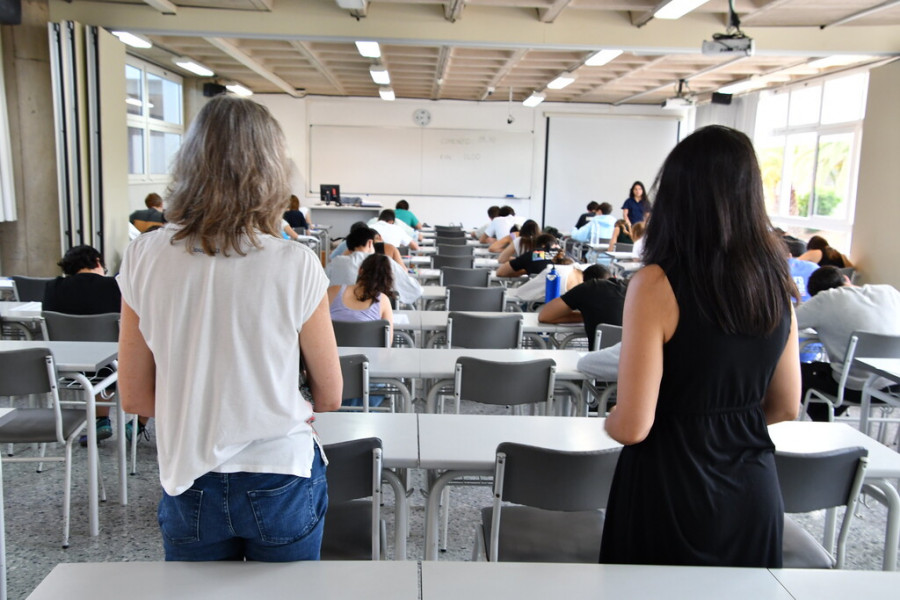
pixel 709 359
pixel 217 309
pixel 637 206
pixel 819 251
pixel 369 298
pixel 520 243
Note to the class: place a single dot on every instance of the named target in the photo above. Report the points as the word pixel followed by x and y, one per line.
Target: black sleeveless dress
pixel 701 489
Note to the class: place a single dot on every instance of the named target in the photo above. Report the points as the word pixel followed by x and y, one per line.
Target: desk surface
pixel 886 367
pixel 436 320
pixel 72 356
pixel 440 363
pixel 379 580
pixel 399 433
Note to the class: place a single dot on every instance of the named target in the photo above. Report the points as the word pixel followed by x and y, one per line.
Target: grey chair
pixel 32 371
pixel 355 375
pixel 466 330
pixel 467 277
pixel 354 529
pixel 356 334
pixel 441 240
pixel 809 482
pixel 605 336
pixel 30 289
pixel 439 261
pixel 622 247
pixel 446 250
pixel 503 383
pixel 462 297
pixel 442 231
pixel 560 498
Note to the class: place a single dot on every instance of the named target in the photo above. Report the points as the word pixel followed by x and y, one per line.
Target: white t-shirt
pixel 500 226
pixel 392 233
pixel 344 270
pixel 224 335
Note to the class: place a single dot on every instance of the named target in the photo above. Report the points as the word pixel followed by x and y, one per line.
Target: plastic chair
pixel 361 334
pixel 32 371
pixel 809 482
pixel 605 335
pixel 442 231
pixel 355 375
pixel 439 261
pixel 462 297
pixel 354 529
pixel 503 383
pixel 623 247
pixel 465 330
pixel 466 277
pixel 561 497
pixel 441 240
pixel 447 250
pixel 29 289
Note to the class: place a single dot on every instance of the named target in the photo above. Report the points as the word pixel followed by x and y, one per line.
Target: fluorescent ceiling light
pixel 677 8
pixel 598 59
pixel 194 67
pixel 353 4
pixel 369 49
pixel 379 75
pixel 132 39
pixel 561 82
pixel 534 99
pixel 386 93
pixel 236 88
pixel 839 60
pixel 744 86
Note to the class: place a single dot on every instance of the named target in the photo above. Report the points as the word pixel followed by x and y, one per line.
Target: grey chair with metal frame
pixel 809 482
pixel 605 336
pixel 466 277
pixel 30 289
pixel 461 262
pixel 560 498
pixel 32 371
pixel 357 334
pixel 354 529
pixel 466 330
pixel 467 298
pixel 355 376
pixel 447 250
pixel 623 247
pixel 442 231
pixel 441 240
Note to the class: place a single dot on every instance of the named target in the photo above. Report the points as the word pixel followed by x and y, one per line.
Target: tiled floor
pixel 130 533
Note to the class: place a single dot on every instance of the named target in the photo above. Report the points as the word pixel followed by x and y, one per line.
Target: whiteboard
pixel 425 162
pixel 598 158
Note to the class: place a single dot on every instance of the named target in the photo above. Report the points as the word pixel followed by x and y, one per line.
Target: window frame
pixel 148 124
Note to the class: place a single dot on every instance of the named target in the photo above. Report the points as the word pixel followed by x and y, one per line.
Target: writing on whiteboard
pixel 468 140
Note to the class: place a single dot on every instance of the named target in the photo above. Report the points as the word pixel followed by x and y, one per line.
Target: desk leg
pixel 2 540
pixel 405 400
pixel 120 451
pixel 887 494
pixel 433 509
pixel 401 513
pixel 431 398
pixel 93 491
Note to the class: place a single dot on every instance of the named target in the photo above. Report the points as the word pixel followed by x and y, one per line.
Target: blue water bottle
pixel 552 286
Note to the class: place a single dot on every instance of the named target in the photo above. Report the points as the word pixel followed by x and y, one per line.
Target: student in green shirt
pixel 403 213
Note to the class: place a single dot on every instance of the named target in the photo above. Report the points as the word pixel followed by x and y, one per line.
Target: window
pixel 155 123
pixel 807 139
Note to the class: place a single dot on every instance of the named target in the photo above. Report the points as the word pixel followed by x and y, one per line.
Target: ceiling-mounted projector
pixel 730 44
pixel 677 102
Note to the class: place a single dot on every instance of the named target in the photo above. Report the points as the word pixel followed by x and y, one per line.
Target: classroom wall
pixel 297 115
pixel 874 249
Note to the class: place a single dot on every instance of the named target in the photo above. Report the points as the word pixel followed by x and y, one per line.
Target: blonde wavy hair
pixel 230 178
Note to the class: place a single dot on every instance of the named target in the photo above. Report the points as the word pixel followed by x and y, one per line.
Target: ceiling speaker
pixel 718 98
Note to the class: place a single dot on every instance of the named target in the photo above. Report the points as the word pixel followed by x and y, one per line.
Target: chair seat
pixel 38 425
pixel 800 549
pixel 534 535
pixel 348 527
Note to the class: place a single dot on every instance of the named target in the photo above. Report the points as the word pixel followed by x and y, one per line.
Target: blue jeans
pixel 255 516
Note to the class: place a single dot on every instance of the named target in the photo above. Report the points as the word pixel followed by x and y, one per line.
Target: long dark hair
pixel 645 199
pixel 710 231
pixel 530 230
pixel 375 277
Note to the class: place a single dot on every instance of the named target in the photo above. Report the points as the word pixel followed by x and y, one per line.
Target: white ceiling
pixel 463 49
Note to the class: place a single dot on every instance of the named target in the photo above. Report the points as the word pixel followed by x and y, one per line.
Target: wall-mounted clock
pixel 421 117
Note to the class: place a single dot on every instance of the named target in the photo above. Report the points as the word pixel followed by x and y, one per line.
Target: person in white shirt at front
pixel 344 270
pixel 500 226
pixel 392 233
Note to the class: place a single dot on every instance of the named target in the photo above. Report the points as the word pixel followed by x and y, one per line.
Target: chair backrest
pixel 865 344
pixel 492 382
pixel 820 480
pixel 441 240
pixel 30 289
pixel 355 374
pixel 554 479
pixel 358 334
pixel 32 371
pixel 455 250
pixel 59 327
pixel 442 231
pixel 607 335
pixel 463 297
pixel 467 277
pixel 465 330
pixel 623 247
pixel 462 262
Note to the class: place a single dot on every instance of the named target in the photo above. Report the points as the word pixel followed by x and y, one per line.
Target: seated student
pixel 800 272
pixel 500 226
pixel 344 270
pixel 837 309
pixel 819 252
pixel 621 235
pixel 150 216
pixel 590 214
pixel 637 234
pixel 492 212
pixel 599 299
pixel 403 214
pixel 601 227
pixel 391 232
pixel 293 215
pixel 546 248
pixel 796 246
pixel 519 243
pixel 381 247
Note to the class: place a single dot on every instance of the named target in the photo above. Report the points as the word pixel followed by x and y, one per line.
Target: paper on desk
pixel 401 319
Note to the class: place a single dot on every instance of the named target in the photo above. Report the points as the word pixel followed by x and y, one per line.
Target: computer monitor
pixel 330 193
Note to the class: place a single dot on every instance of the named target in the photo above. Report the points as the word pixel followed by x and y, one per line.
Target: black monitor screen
pixel 330 193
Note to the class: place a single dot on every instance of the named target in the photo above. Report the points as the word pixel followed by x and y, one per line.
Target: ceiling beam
pixel 163 6
pixel 514 59
pixel 863 13
pixel 453 10
pixel 251 63
pixel 440 71
pixel 262 4
pixel 313 58
pixel 748 18
pixel 549 14
pixel 693 75
pixel 641 19
pixel 647 65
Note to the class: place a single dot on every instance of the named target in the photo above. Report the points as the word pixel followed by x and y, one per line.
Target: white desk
pixel 431 321
pixel 340 218
pixel 817 584
pixel 888 368
pixel 372 580
pixel 548 581
pixel 399 435
pixel 467 445
pixel 21 315
pixel 73 359
pixel 884 465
